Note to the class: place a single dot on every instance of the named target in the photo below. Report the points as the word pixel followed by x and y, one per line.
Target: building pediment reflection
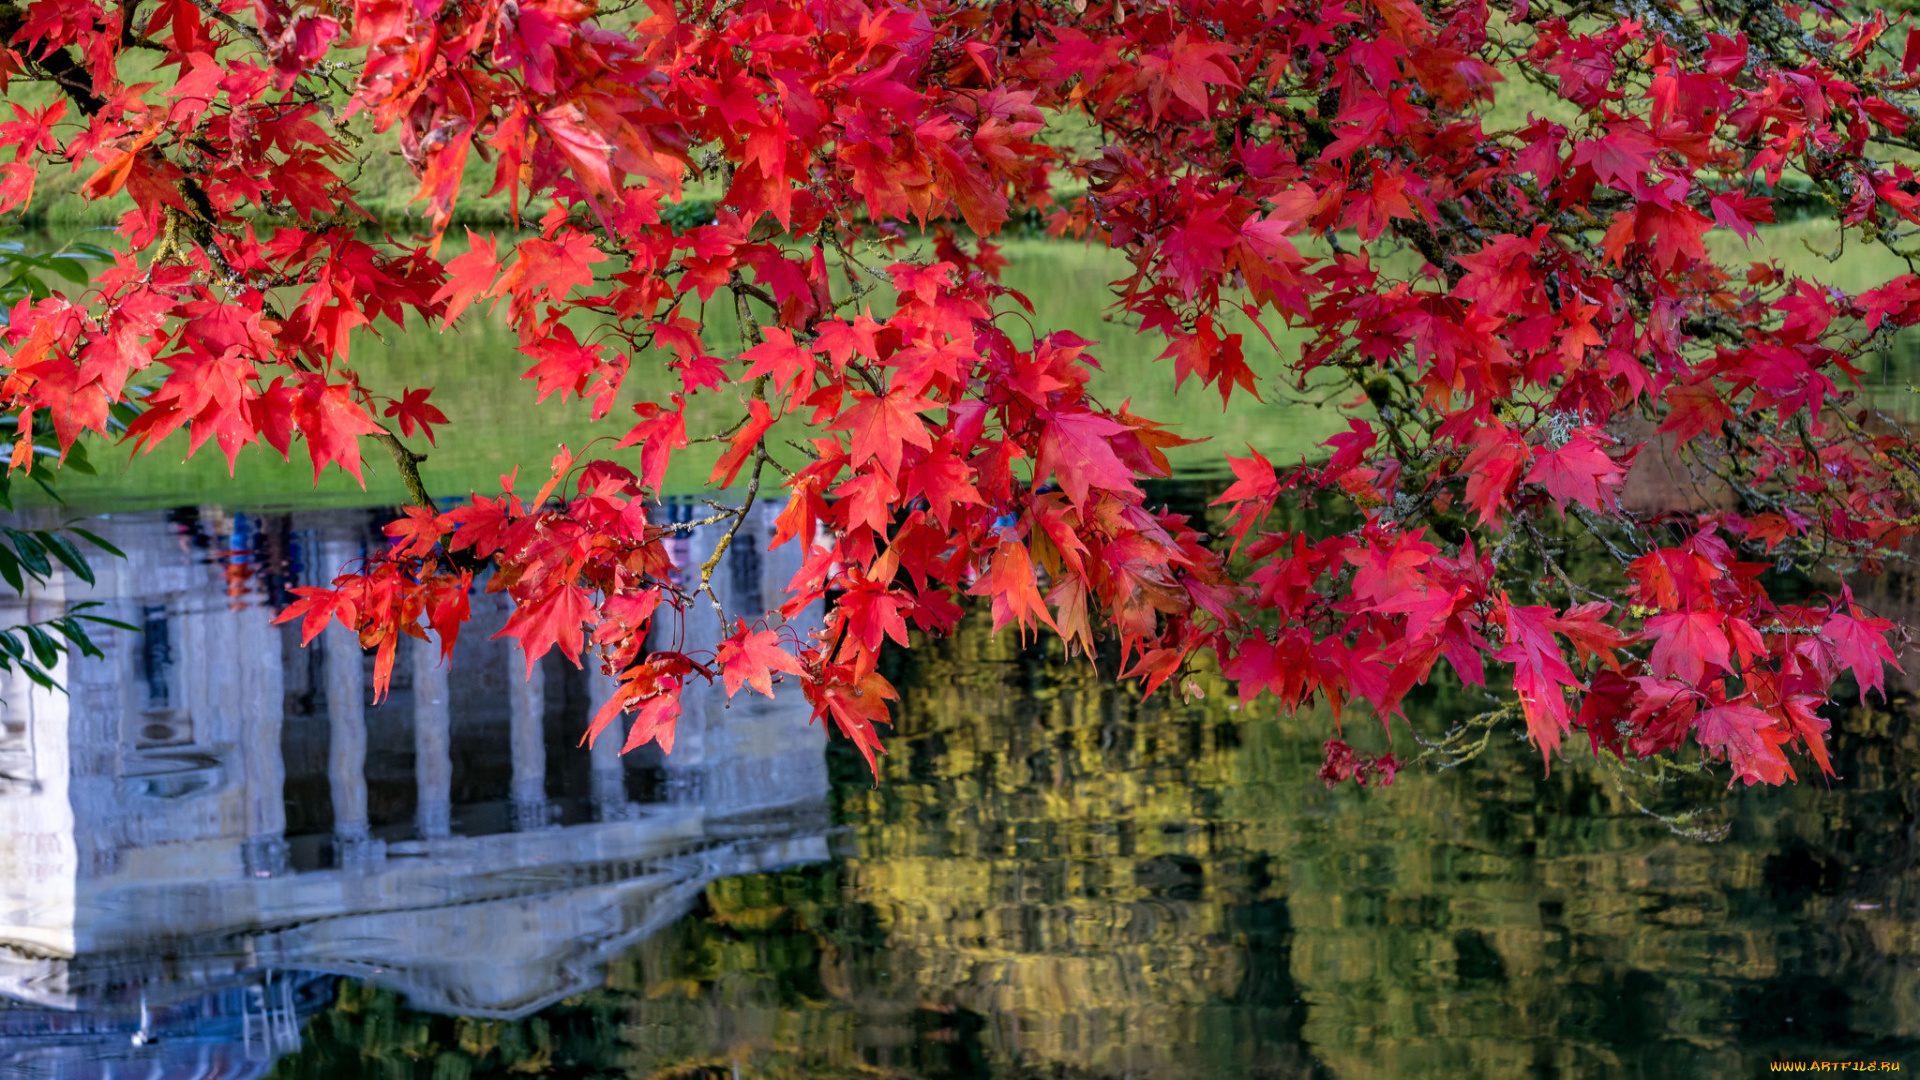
pixel 214 803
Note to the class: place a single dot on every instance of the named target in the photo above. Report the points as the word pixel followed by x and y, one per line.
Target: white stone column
pixel 432 741
pixel 527 707
pixel 609 783
pixel 347 730
pixel 262 711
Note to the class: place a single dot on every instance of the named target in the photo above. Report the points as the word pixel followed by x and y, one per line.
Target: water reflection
pixel 215 813
pixel 1053 879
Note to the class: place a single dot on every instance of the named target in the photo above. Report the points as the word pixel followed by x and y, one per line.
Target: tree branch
pixel 408 463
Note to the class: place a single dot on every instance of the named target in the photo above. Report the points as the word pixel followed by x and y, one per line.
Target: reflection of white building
pixel 213 802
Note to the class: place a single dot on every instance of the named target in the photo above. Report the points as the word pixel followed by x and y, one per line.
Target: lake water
pixel 220 858
pixel 1053 878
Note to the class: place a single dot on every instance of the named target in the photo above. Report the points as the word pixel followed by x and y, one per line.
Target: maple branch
pixel 873 382
pixel 1457 358
pixel 739 518
pixel 1678 824
pixel 725 435
pixel 1623 558
pixel 408 463
pixel 690 526
pixel 213 11
pixel 1452 748
pixel 58 65
pixel 752 290
pixel 1547 556
pixel 856 286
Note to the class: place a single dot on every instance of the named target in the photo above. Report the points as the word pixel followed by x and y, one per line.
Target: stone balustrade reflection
pixel 213 792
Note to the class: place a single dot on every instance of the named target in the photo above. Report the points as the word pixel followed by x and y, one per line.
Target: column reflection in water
pixel 347 745
pixel 263 768
pixel 609 771
pixel 527 709
pixel 168 863
pixel 432 740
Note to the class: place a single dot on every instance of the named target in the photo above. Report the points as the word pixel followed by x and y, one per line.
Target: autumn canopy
pixel 1502 234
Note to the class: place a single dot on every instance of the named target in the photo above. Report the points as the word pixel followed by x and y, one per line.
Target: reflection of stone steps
pixel 232 1034
pixel 496 925
pixel 214 800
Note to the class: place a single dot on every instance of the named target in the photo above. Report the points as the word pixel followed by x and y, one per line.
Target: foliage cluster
pixel 1499 298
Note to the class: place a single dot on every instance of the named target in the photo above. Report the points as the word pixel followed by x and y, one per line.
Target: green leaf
pixel 40 677
pixel 48 488
pixel 10 569
pixel 11 645
pixel 70 628
pixel 63 549
pixel 75 612
pixel 97 542
pixel 32 555
pixel 45 649
pixel 67 266
pixel 77 460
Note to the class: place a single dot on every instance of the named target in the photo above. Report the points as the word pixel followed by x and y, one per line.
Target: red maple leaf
pixel 552 618
pixel 1213 358
pixel 1182 71
pixel 551 270
pixel 1010 582
pixel 416 534
pixel 411 408
pixel 759 419
pixel 1686 643
pixel 791 364
pixel 1591 636
pixel 750 659
pixel 1492 470
pixel 566 364
pixel 1694 410
pixel 843 341
pixel 272 415
pixel 866 499
pixel 871 614
pixel 942 479
pixel 658 434
pixel 1798 712
pixel 1620 158
pixel 315 608
pixel 654 720
pixel 332 423
pixel 1077 447
pixel 1750 739
pixel 855 709
pixel 883 426
pixel 482 526
pixel 1771 528
pixel 1577 470
pixel 1541 676
pixel 448 608
pixel 1254 478
pixel 1860 642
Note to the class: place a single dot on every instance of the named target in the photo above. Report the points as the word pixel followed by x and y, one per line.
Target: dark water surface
pixel 1053 879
